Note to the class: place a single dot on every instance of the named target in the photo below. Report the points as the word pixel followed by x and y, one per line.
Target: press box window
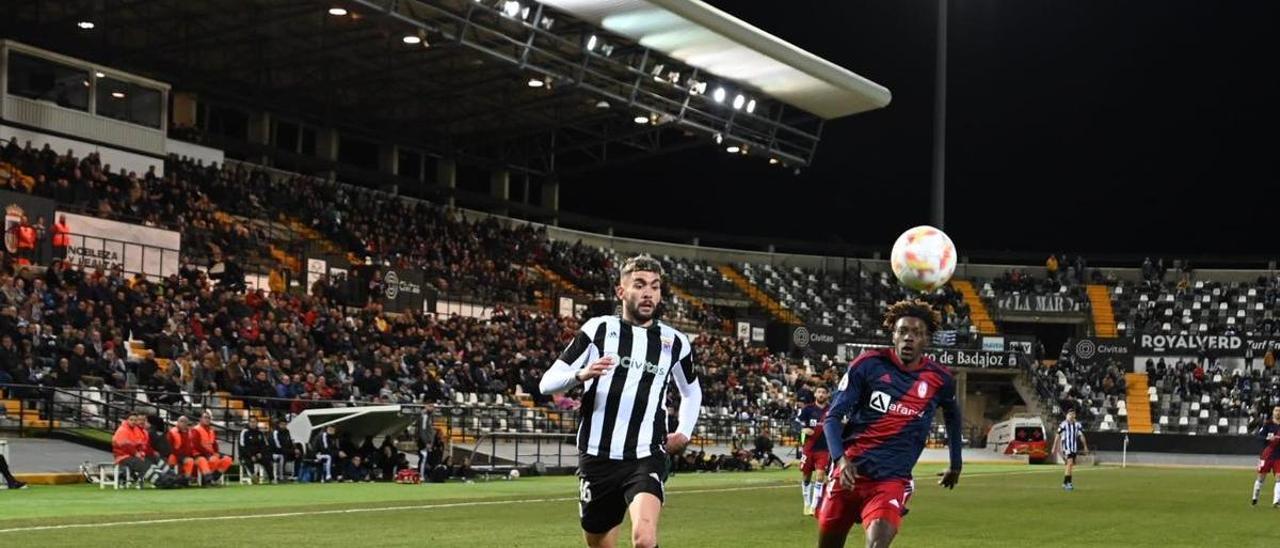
pixel 45 80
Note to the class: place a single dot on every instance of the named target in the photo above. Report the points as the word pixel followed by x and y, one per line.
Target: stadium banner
pixel 565 307
pixel 744 331
pixel 104 244
pixel 1039 304
pixel 757 335
pixel 1025 344
pixel 1094 350
pixel 403 290
pixel 1192 345
pixel 316 269
pixel 16 205
pixel 993 344
pixel 1260 346
pixel 801 339
pixel 950 357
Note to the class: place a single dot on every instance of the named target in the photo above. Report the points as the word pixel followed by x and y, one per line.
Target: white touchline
pixel 414 507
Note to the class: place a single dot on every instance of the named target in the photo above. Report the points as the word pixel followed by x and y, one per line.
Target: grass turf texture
pixel 994 505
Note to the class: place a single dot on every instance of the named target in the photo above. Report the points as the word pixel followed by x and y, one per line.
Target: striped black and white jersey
pixel 623 412
pixel 1069 432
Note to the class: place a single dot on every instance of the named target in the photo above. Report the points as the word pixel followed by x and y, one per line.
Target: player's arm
pixel 951 416
pixel 686 378
pixel 845 401
pixel 802 419
pixel 571 369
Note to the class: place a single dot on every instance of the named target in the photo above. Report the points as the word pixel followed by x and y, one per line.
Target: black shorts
pixel 606 488
pixel 1071 457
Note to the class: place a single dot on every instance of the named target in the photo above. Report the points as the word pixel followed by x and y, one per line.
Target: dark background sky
pixel 1073 125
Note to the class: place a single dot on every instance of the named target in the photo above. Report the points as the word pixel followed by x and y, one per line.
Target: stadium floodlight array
pixel 671 94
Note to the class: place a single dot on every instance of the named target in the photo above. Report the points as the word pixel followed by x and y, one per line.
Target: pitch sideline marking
pixel 404 508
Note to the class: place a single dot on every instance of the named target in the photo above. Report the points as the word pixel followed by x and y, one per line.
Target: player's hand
pixel 595 369
pixel 676 442
pixel 845 474
pixel 807 431
pixel 949 478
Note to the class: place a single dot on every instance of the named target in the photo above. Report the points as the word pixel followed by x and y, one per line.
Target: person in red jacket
pixel 184 448
pixel 212 464
pixel 131 445
pixel 61 238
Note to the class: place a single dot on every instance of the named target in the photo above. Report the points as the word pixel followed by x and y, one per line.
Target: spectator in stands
pixel 283 449
pixel 1051 266
pixel 209 460
pixel 183 456
pixel 325 450
pixel 61 238
pixel 254 452
pixel 131 445
pixel 389 461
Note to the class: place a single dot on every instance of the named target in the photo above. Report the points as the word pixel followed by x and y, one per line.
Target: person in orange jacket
pixel 131 445
pixel 184 447
pixel 212 464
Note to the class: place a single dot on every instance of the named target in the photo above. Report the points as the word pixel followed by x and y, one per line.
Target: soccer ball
pixel 923 258
pixel 514 474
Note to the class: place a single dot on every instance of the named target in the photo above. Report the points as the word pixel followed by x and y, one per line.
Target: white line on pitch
pixel 405 508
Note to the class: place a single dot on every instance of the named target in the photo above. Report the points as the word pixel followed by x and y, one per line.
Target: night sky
pixel 1073 125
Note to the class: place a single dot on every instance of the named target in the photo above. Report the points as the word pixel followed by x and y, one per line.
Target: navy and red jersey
pixel 889 411
pixel 811 416
pixel 1270 451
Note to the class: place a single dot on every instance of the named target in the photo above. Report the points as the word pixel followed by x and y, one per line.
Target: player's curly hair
pixel 913 309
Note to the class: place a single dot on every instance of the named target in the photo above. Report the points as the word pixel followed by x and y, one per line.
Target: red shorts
pixel 868 501
pixel 1272 467
pixel 817 460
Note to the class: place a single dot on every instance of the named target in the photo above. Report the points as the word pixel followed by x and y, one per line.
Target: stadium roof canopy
pixel 549 87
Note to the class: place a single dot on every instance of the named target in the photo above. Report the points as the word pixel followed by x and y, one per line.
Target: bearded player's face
pixel 820 396
pixel 909 337
pixel 640 293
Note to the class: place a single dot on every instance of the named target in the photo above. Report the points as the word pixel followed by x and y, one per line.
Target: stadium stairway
pixel 1104 318
pixel 560 282
pixel 1138 403
pixel 977 309
pixel 779 312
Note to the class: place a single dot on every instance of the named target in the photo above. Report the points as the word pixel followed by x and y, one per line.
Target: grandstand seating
pixel 1202 307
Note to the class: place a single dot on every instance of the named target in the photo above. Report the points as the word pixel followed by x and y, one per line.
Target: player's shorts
pixel 606 488
pixel 1069 456
pixel 869 500
pixel 817 460
pixel 1269 466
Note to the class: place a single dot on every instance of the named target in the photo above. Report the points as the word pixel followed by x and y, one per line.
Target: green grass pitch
pixel 994 505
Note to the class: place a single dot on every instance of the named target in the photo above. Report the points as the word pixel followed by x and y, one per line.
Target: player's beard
pixel 634 314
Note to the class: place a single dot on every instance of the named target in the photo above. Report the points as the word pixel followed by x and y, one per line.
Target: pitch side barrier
pixel 1216 444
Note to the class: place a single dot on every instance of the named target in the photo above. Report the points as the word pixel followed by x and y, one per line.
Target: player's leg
pixel 816 493
pixel 882 510
pixel 603 540
pixel 839 509
pixel 1275 471
pixel 645 509
pixel 880 534
pixel 1070 467
pixel 601 506
pixel 1257 486
pixel 806 483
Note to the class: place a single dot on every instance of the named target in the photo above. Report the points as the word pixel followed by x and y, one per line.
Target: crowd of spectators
pixel 1237 393
pixel 1066 384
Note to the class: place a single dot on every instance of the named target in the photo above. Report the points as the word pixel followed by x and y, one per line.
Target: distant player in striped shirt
pixel 1069 441
pixel 1269 460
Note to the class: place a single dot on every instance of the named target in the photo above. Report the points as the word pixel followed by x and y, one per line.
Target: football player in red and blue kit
pixel 814 453
pixel 1269 460
pixel 876 428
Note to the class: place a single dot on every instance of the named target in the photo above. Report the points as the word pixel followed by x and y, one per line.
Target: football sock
pixel 1275 499
pixel 805 491
pixel 1257 488
pixel 817 493
pixel 1067 480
